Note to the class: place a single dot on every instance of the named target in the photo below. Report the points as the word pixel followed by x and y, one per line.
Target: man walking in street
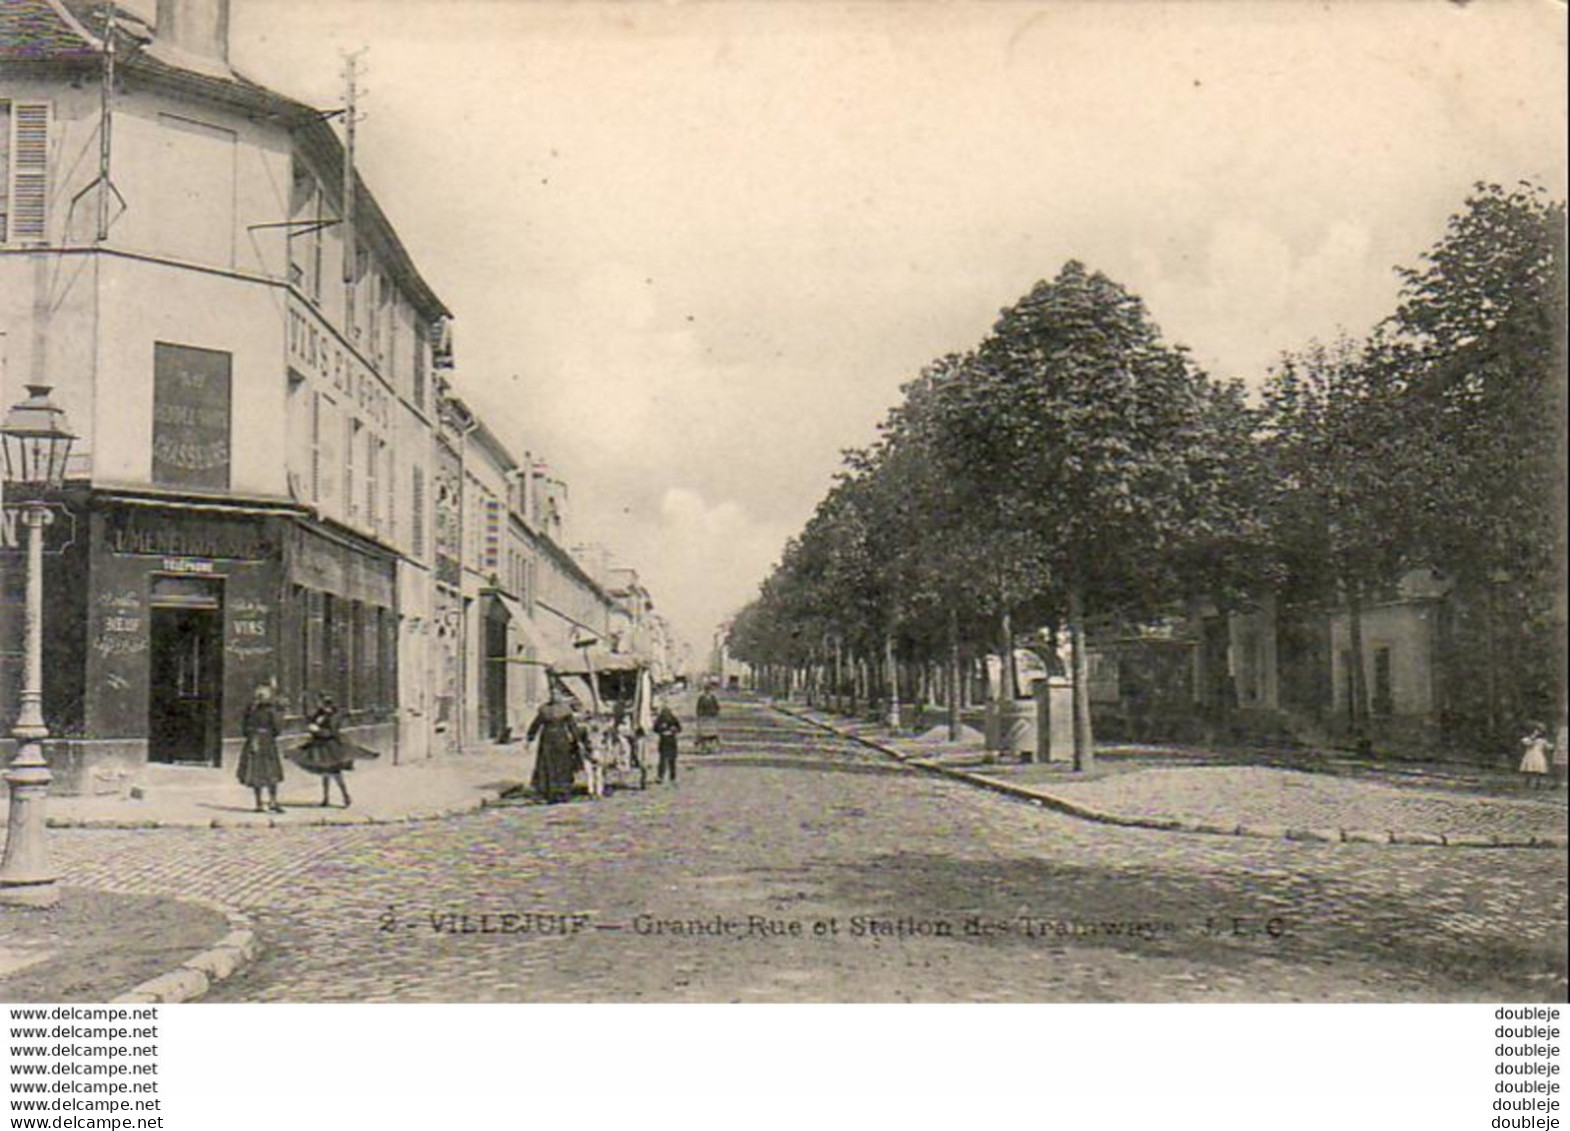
pixel 667 726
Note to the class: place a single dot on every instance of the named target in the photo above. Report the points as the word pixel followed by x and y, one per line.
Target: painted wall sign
pixel 187 565
pixel 314 350
pixel 121 623
pixel 59 535
pixel 248 634
pixel 190 416
pixel 211 536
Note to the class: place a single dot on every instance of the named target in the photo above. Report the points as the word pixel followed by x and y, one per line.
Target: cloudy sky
pixel 695 248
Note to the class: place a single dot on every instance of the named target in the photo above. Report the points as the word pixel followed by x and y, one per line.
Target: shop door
pixel 495 704
pixel 186 697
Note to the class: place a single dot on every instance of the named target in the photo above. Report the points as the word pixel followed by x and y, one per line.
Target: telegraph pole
pixel 106 120
pixel 351 114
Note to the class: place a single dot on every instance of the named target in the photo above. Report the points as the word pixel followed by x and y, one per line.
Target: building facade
pixel 1278 672
pixel 275 481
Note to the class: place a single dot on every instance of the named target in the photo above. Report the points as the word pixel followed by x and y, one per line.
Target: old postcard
pixel 782 502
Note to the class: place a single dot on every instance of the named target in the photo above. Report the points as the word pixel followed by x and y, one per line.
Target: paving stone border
pixel 199 973
pixel 1171 824
pixel 247 821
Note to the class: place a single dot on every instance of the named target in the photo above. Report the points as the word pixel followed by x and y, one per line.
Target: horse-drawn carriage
pixel 614 693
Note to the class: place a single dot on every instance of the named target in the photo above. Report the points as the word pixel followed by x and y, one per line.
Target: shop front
pixel 340 617
pixel 161 639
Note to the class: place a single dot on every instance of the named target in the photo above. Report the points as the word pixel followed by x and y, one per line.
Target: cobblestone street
pixel 794 867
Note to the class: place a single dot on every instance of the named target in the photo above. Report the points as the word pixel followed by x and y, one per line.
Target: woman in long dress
pixel 560 752
pixel 325 751
pixel 260 766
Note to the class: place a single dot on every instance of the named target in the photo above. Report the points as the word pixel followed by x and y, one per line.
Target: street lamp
pixel 36 440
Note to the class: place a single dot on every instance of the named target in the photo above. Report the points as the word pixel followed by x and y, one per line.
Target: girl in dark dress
pixel 260 766
pixel 325 751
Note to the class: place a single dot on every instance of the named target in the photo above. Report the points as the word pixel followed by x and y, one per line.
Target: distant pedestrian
pixel 708 720
pixel 667 726
pixel 560 752
pixel 325 752
pixel 260 766
pixel 1534 761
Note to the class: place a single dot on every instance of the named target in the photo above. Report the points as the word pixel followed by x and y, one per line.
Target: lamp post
pixel 36 441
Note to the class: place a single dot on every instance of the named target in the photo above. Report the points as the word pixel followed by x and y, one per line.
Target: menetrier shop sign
pixel 206 537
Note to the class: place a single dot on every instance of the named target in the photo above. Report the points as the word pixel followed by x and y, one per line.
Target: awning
pixel 603 660
pixel 545 654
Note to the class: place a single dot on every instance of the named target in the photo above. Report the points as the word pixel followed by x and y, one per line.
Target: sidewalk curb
pixel 204 970
pixel 242 822
pixel 1170 824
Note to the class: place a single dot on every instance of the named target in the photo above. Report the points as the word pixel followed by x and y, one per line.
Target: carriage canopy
pixel 600 679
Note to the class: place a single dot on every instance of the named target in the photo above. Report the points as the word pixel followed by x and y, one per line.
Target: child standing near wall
pixel 1534 761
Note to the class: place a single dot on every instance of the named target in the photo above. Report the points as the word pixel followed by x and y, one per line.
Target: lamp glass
pixel 37 441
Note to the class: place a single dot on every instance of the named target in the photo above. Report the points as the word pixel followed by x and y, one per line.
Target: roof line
pixel 74 24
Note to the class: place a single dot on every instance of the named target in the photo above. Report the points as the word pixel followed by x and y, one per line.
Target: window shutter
pixel 417 514
pixel 29 172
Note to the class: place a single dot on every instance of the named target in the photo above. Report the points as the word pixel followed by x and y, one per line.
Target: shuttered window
pixel 24 171
pixel 351 436
pixel 419 365
pixel 491 535
pixel 373 461
pixel 417 514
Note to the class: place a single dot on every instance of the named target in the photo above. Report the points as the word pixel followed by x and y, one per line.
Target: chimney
pixel 197 29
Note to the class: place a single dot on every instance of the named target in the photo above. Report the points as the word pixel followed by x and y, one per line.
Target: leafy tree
pixel 1481 328
pixel 1332 438
pixel 1099 450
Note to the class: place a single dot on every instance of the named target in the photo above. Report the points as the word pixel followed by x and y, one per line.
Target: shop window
pixel 330 678
pixel 316 649
pixel 387 669
pixel 300 622
pixel 355 660
pixel 371 661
